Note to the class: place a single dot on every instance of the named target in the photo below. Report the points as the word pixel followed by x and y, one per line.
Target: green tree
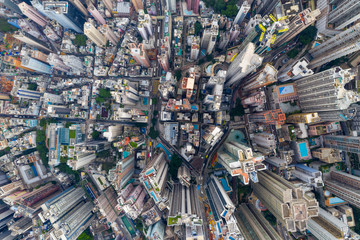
pixel 238 110
pixel 32 86
pixel 95 135
pixel 178 74
pixel 197 27
pixel 104 93
pixel 5 26
pixel 293 53
pixel 174 165
pixel 80 40
pixel 308 35
pixel 230 11
pixel 153 133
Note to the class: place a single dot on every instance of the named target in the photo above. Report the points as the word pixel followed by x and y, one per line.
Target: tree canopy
pixel 197 27
pixel 174 165
pixel 308 35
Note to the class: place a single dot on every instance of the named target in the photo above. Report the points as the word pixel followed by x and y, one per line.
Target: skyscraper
pixel 326 227
pixel 144 25
pixel 35 65
pixel 274 117
pixel 261 78
pixel 193 5
pixel 234 32
pixel 266 6
pixel 109 34
pixel 341 142
pixel 154 178
pixel 224 40
pixel 252 223
pixel 185 206
pixel 57 207
pixel 195 48
pixel 209 37
pixel 31 13
pixel 297 25
pixel 123 172
pixel 171 5
pixel 244 63
pixel 264 142
pixel 107 202
pixel 345 186
pixel 11 5
pixel 96 14
pixel 245 7
pixel 139 54
pixel 64 12
pixel 294 71
pixel 289 204
pixel 94 35
pixel 222 210
pixel 239 160
pixel 344 43
pixel 57 63
pixel 138 5
pixel 328 88
pixel 343 13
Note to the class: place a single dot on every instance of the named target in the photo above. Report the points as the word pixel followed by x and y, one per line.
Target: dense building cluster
pixel 196 120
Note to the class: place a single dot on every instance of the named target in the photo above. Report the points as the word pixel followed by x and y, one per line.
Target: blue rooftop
pixel 303 150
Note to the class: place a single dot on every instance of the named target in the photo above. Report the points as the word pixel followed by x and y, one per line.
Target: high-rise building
pixel 297 25
pixel 274 117
pixel 195 48
pixel 21 226
pixel 341 142
pixel 261 78
pixel 264 142
pixel 74 222
pixel 132 200
pixel 31 13
pixel 295 71
pixel 109 34
pixel 57 63
pixel 35 65
pixel 96 14
pixel 306 174
pixel 193 5
pixel 328 155
pixel 234 32
pixel 31 40
pixel 209 37
pixel 252 223
pixel 123 172
pixel 65 13
pixel 138 5
pixel 323 128
pixel 289 204
pixel 107 202
pixel 326 227
pixel 224 40
pixel 11 5
pixel 185 206
pixel 244 63
pixel 79 5
pixel 94 35
pixel 244 9
pixel 12 61
pixel 222 210
pixel 57 207
pixel 10 188
pixel 303 118
pixel 154 178
pixel 171 5
pixel 345 186
pixel 343 13
pixel 184 175
pixel 344 43
pixel 239 160
pixel 265 7
pixel 74 62
pixel 145 25
pixel 139 54
pixel 328 88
